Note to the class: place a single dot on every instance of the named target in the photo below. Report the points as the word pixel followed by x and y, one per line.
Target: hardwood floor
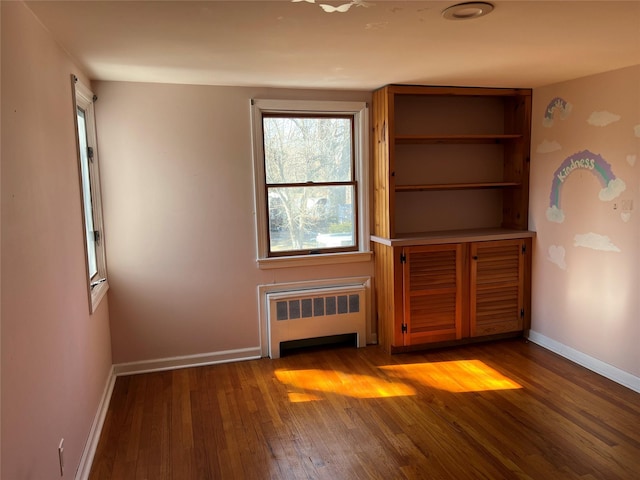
pixel 507 410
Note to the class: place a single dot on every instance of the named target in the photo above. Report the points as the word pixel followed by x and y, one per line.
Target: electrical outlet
pixel 61 456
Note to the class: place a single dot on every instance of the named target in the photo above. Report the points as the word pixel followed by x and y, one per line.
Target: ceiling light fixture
pixel 467 11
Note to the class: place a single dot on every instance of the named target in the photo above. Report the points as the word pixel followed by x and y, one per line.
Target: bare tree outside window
pixel 310 183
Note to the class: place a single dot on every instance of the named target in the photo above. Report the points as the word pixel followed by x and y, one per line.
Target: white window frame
pixel 97 285
pixel 360 113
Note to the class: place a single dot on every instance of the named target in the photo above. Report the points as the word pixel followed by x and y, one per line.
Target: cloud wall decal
pixel 602 119
pixel 547 147
pixel 595 241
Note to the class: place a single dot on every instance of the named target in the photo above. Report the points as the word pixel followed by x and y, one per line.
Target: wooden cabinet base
pixel 439 295
pixel 452 343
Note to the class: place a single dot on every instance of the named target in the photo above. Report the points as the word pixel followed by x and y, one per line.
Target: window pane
pixel 311 218
pixel 307 149
pixel 86 194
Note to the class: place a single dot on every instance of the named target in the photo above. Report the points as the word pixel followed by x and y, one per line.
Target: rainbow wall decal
pixel 556 104
pixel 585 160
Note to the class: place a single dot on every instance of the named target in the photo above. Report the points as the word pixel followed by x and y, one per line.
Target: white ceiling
pixel 297 44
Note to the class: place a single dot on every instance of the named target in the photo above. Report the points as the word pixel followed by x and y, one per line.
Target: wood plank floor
pixel 506 410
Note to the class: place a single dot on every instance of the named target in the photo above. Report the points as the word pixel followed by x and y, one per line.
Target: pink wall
pixel 177 175
pixel 586 277
pixel 56 358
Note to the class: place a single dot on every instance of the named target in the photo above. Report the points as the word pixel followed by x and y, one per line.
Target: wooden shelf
pixel 456 186
pixel 453 236
pixel 453 139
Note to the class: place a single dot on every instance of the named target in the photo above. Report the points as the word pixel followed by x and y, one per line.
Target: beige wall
pixel 177 175
pixel 586 280
pixel 56 358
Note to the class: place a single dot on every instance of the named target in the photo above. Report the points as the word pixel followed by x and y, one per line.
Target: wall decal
pixel 556 256
pixel 595 241
pixel 625 216
pixel 631 159
pixel 585 160
pixel 547 147
pixel 339 8
pixel 636 130
pixel 559 105
pixel 602 119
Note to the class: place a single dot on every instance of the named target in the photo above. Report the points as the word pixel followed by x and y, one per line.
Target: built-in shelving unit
pixel 451 179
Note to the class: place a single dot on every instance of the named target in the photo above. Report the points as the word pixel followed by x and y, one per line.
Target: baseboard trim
pixel 186 361
pixel 84 468
pixel 609 371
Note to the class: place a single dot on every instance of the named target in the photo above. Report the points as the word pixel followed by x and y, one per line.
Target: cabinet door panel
pixel 432 296
pixel 497 276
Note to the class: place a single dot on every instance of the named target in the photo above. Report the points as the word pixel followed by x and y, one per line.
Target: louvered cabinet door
pixel 497 287
pixel 432 293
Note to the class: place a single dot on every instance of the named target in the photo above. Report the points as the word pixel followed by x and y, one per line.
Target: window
pixel 90 188
pixel 310 172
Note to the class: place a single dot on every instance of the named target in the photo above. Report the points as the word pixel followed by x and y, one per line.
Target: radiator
pixel 316 312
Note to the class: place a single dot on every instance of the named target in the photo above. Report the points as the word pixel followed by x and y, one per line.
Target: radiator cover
pixel 316 312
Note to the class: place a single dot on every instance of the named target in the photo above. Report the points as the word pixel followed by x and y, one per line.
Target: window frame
pixel 359 112
pixel 97 285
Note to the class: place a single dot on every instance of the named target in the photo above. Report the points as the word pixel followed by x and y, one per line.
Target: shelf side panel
pixel 517 163
pixel 388 292
pixel 383 187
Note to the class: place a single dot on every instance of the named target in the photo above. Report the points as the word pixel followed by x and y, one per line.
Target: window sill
pixel 97 294
pixel 311 260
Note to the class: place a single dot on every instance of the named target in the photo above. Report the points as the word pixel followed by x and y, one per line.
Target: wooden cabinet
pixel 450 204
pixel 432 303
pixel 451 292
pixel 497 287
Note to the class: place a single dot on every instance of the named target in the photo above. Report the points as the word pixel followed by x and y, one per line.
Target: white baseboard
pixel 84 468
pixel 185 361
pixel 609 371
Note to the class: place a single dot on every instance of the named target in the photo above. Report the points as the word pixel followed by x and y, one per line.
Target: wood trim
pixel 385 286
pixel 526 296
pixel 457 91
pixel 380 159
pixel 455 186
pixel 454 139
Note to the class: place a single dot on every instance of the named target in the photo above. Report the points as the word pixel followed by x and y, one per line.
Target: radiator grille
pixel 317 307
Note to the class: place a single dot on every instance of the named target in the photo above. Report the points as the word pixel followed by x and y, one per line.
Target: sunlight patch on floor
pixel 454 376
pixel 299 397
pixel 302 384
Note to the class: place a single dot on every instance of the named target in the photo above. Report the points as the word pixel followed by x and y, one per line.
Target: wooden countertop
pixel 453 236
